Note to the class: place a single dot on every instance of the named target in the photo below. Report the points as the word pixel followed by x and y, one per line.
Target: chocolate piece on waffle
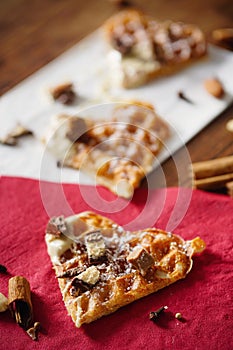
pixel 95 246
pixel 56 226
pixel 137 264
pixel 141 260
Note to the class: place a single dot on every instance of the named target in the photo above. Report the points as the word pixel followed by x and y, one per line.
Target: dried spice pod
pixel 33 331
pixel 182 96
pixel 19 297
pixel 3 269
pixel 154 315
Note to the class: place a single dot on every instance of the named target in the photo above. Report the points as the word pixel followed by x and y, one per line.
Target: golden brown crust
pixel 162 71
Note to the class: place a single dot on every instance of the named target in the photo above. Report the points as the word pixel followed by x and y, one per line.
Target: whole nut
pixel 229 125
pixel 214 87
pixel 178 316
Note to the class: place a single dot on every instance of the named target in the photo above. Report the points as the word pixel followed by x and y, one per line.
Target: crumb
pixel 63 93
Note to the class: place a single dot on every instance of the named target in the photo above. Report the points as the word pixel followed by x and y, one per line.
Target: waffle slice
pixel 100 267
pixel 118 152
pixel 142 48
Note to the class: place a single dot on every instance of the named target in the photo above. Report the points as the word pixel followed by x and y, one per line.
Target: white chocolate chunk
pixel 57 246
pixel 90 275
pixel 95 245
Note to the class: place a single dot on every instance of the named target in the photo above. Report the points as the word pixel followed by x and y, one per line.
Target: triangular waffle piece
pixel 117 152
pixel 100 267
pixel 142 48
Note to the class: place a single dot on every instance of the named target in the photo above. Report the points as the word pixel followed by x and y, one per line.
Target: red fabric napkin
pixel 204 297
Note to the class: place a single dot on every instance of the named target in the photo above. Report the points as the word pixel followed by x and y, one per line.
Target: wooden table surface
pixel 34 32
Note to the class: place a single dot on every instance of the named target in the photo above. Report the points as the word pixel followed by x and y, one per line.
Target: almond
pixel 214 87
pixel 229 125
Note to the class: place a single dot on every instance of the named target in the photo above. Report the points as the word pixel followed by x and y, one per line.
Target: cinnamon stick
pixel 215 167
pixel 223 37
pixel 19 297
pixel 213 183
pixel 229 186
